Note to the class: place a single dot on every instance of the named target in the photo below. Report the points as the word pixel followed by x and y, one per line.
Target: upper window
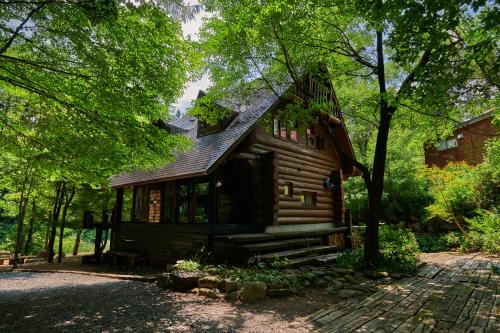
pixel 447 144
pixel 314 140
pixel 294 133
pixel 285 131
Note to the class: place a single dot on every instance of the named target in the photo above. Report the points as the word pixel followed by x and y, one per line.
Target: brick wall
pixel 471 141
pixel 154 206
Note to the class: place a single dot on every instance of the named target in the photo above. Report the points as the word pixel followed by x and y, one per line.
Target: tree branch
pixel 18 29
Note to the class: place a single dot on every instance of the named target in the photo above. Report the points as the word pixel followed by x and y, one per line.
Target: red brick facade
pixel 469 140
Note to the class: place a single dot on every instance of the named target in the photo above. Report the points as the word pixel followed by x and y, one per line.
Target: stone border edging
pixel 108 275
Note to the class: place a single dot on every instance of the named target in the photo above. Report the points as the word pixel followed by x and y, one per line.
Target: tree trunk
pixel 60 190
pixel 77 239
pixel 29 238
pixel 376 185
pixel 47 233
pixel 23 203
pixel 67 203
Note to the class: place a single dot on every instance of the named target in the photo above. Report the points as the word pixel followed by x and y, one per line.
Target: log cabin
pixel 254 185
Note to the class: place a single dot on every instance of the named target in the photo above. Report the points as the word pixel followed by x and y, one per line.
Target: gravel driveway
pixel 57 302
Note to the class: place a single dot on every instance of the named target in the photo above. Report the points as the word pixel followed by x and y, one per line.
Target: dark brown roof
pixel 206 150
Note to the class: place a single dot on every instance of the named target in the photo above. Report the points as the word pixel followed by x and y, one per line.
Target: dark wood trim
pixel 162 202
pixel 213 200
pixel 117 217
pixel 133 215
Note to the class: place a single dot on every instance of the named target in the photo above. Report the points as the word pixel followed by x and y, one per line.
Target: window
pixel 313 140
pixel 193 201
pixel 311 137
pixel 319 144
pixel 279 128
pixel 288 191
pixel 447 144
pixel 183 203
pixel 284 129
pixel 308 198
pixel 154 206
pixel 202 200
pixel 451 143
pixel 294 134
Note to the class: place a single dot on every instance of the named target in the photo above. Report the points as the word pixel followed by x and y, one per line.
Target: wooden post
pixel 212 208
pixel 348 233
pixel 338 198
pixel 133 216
pixel 117 217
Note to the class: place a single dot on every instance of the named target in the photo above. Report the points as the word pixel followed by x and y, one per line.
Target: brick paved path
pixel 452 293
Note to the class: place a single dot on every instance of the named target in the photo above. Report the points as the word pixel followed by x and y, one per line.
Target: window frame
pixel 313 199
pixel 448 143
pixel 288 185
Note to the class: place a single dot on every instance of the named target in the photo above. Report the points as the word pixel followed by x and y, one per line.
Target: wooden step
pixel 245 238
pixel 297 252
pixel 283 244
pixel 322 258
pixel 254 237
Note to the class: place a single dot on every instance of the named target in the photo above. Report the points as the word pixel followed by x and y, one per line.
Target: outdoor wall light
pixel 218 183
pixel 328 183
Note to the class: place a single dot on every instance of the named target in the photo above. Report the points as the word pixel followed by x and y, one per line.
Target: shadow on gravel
pixel 121 306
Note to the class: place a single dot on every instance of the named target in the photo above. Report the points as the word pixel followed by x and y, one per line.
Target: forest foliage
pixel 83 86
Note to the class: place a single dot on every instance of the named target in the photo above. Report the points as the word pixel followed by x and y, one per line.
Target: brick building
pixel 466 144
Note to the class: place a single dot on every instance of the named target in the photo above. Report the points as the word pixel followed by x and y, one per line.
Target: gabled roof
pixel 207 150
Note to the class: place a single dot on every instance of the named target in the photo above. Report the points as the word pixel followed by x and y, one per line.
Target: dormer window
pixel 206 129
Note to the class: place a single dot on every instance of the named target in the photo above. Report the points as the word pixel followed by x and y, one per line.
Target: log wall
pixel 304 167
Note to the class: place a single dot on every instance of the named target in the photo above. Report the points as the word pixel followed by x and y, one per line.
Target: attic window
pixel 205 129
pixel 311 137
pixel 314 140
pixel 279 128
pixel 294 134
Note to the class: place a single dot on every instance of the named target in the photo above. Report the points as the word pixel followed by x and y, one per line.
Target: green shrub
pixel 459 190
pixel 437 243
pixel 453 190
pixel 353 258
pixel 399 249
pixel 484 232
pixel 187 265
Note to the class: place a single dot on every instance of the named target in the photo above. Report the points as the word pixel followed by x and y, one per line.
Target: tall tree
pixel 430 57
pixel 82 84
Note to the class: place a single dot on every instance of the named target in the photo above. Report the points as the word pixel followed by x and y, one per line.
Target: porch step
pixel 322 258
pixel 297 252
pixel 245 238
pixel 283 244
pixel 254 237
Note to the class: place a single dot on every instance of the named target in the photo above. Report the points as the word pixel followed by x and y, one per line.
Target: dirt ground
pixel 59 302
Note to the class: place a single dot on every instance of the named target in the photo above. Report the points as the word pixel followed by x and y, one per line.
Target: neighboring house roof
pixel 474 120
pixel 206 150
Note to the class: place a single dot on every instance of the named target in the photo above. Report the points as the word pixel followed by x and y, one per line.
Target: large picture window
pixel 193 202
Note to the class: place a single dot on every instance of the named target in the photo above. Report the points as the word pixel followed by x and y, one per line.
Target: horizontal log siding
pixel 306 169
